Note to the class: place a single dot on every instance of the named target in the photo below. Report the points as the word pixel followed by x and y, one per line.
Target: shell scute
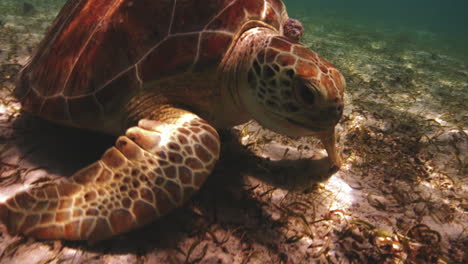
pixel 62 52
pixel 86 107
pixel 146 22
pixel 112 96
pixel 272 17
pixel 233 16
pixel 212 44
pixel 55 108
pixel 165 62
pixel 191 16
pixel 253 7
pixel 126 33
pixel 277 5
pixel 33 101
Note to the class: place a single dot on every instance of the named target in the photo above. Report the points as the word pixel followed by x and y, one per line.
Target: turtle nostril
pixel 334 111
pixel 339 110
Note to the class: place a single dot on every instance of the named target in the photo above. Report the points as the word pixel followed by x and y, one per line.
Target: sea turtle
pixel 166 74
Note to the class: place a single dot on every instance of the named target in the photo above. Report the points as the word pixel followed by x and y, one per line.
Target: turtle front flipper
pixel 151 170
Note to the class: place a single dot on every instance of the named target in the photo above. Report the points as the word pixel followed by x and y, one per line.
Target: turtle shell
pixel 97 53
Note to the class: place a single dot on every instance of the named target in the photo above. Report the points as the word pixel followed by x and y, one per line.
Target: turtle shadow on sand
pixel 288 174
pixel 37 144
pixel 52 151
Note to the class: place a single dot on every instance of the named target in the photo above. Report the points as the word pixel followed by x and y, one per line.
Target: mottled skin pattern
pixel 181 70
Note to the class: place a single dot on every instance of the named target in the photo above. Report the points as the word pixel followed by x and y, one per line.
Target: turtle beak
pixel 329 142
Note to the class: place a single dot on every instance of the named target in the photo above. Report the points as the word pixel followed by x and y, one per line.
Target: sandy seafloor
pixel 401 196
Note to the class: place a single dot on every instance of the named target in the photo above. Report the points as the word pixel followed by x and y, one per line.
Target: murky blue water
pixel 441 25
pixel 438 24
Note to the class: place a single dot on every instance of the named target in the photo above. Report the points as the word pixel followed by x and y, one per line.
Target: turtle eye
pixel 305 93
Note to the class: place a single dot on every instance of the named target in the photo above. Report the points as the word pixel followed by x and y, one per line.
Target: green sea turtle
pixel 166 74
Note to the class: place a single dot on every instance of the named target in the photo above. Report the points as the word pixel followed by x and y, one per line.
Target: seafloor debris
pixel 401 196
pixel 28 9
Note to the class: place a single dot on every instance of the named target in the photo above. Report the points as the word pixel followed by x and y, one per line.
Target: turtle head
pixel 293 91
